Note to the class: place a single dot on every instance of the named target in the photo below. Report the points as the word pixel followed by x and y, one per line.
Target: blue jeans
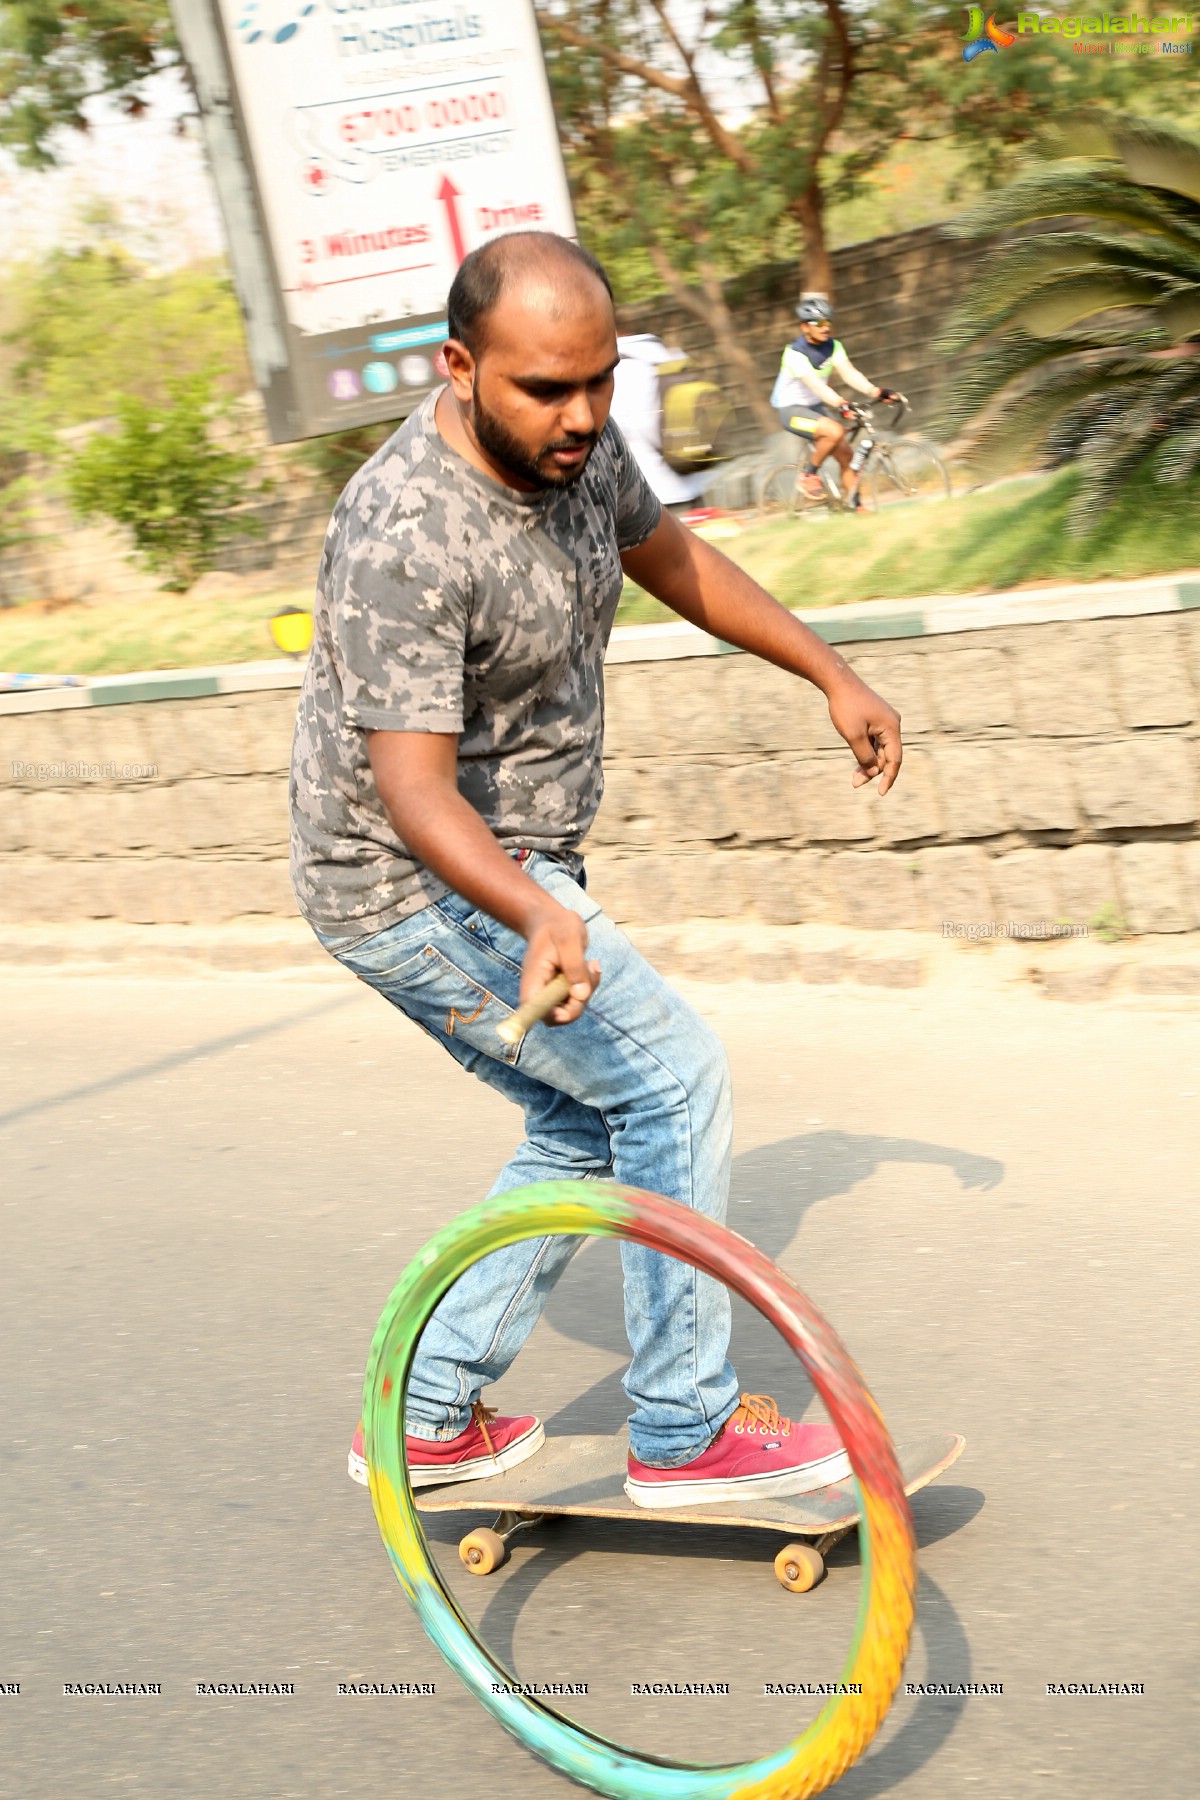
pixel 636 1090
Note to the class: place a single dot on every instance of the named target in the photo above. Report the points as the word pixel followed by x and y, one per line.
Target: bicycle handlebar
pixel 899 406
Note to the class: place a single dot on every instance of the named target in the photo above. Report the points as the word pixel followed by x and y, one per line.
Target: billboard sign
pixel 360 149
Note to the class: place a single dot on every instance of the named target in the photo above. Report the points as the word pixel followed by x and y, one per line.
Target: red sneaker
pixel 756 1455
pixel 489 1445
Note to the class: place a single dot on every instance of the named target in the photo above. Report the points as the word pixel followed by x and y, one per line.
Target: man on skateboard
pixel 446 769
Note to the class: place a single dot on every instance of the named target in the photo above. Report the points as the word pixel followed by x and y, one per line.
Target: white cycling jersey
pixel 803 369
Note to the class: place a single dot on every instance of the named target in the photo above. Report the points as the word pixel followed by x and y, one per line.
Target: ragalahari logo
pixel 984 37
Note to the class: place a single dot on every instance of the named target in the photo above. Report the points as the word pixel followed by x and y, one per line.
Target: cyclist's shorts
pixel 801 419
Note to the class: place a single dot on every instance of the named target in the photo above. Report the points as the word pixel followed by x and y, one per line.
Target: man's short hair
pixel 484 275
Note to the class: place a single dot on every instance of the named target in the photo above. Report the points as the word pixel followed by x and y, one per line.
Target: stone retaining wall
pixel 1052 773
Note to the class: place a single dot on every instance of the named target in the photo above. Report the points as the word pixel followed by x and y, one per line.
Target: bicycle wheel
pixel 777 496
pixel 903 471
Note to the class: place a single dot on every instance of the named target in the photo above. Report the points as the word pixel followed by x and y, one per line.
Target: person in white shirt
pixel 808 406
pixel 637 408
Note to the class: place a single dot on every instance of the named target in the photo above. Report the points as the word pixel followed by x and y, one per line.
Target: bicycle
pixel 895 469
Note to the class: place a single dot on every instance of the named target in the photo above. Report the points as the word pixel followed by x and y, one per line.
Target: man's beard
pixel 494 437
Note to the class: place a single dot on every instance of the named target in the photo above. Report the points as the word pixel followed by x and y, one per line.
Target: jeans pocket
pixel 385 955
pixel 446 1000
pixel 383 967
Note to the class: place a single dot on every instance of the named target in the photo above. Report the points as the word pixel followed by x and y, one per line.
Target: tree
pixel 90 330
pixel 832 85
pixel 80 328
pixel 159 474
pixel 1086 340
pixel 996 110
pixel 55 57
pixel 671 193
pixel 646 135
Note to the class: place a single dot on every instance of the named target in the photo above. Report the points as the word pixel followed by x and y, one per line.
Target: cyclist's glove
pixel 848 412
pixel 887 394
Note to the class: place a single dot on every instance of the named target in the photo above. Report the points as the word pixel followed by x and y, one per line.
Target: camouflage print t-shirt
pixel 447 602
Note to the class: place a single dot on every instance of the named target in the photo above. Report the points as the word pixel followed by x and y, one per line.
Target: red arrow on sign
pixel 448 194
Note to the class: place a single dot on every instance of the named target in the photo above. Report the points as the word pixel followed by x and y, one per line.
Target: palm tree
pixel 1083 342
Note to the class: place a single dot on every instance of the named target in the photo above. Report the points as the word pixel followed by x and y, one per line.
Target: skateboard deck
pixel 584 1477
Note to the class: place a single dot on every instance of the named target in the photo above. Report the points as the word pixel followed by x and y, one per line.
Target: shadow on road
pixel 937 1513
pixel 927 1728
pixel 933 1719
pixel 772 1189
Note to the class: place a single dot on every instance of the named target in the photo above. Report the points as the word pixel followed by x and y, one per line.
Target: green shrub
pixel 160 474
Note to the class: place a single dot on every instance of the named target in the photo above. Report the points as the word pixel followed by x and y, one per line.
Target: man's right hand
pixel 556 943
pixel 416 774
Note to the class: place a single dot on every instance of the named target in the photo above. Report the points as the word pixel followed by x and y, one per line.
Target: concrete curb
pixel 866 621
pixel 707 952
pixel 861 622
pixel 156 684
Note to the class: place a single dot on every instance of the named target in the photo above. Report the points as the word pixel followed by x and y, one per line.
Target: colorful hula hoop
pixel 837 1737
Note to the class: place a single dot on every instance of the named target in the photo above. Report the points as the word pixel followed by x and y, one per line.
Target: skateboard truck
pixel 486 1548
pixel 798 1566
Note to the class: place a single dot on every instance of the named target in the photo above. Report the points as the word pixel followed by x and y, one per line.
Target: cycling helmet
pixel 814 312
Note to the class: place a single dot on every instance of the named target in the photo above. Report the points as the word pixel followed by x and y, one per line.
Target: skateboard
pixel 583 1477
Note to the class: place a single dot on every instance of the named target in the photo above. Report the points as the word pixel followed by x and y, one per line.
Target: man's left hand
pixel 871 728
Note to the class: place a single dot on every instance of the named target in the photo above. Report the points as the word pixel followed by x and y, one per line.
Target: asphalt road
pixel 210 1187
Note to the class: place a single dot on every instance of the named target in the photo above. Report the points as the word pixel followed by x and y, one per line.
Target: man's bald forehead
pixel 550 292
pixel 551 274
pixel 540 259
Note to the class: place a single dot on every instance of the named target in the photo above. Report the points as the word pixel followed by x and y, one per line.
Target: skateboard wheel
pixel 483 1550
pixel 799 1567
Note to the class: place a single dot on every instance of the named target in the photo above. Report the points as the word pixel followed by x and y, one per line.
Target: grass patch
pixel 1004 538
pixel 166 631
pixel 1008 537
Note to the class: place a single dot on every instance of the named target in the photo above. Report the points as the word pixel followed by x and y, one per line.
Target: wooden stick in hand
pixel 540 1007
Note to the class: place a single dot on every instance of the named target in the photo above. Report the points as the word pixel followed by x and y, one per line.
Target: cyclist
pixel 806 404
